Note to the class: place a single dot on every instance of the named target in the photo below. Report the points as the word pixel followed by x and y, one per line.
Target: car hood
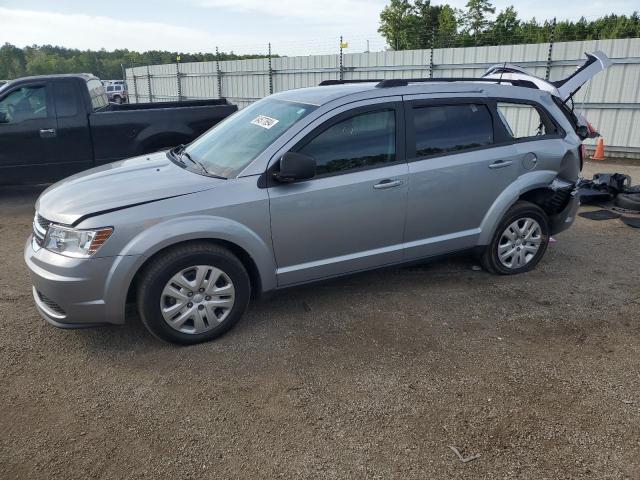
pixel 119 185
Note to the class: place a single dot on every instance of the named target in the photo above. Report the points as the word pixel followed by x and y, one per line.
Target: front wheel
pixel 519 242
pixel 193 293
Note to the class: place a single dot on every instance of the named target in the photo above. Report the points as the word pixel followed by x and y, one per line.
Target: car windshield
pixel 231 145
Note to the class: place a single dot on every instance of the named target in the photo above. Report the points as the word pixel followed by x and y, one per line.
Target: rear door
pixel 27 132
pixel 351 215
pixel 459 162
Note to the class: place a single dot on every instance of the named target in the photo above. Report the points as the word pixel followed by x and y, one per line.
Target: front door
pixel 27 132
pixel 351 215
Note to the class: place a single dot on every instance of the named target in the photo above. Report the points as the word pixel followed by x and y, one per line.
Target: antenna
pixel 504 67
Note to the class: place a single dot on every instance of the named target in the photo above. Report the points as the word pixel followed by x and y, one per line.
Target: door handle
pixel 47 133
pixel 500 164
pixel 388 183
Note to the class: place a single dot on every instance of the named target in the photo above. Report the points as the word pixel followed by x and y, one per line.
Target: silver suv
pixel 302 186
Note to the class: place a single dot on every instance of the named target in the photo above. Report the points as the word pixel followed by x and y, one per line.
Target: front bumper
pixel 77 293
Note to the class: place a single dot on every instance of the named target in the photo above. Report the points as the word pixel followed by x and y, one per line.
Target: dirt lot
pixel 371 376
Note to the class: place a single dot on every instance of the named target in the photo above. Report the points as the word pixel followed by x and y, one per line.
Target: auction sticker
pixel 264 121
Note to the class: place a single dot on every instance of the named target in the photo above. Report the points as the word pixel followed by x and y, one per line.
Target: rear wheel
pixel 117 99
pixel 193 293
pixel 519 242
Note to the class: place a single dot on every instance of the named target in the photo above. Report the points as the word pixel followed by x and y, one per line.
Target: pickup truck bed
pixel 55 125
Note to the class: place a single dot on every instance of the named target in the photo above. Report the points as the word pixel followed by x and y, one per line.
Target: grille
pixel 51 304
pixel 40 226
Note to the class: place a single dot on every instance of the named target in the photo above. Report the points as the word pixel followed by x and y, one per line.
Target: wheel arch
pixel 530 185
pixel 245 258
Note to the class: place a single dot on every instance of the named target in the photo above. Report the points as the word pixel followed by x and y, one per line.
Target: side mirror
pixel 583 132
pixel 295 166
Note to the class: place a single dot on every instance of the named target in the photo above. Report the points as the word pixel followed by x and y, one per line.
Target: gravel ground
pixel 371 376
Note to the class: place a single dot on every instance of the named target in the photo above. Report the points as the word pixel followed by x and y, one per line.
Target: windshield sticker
pixel 264 121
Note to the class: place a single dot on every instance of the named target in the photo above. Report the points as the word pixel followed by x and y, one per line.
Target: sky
pixel 294 27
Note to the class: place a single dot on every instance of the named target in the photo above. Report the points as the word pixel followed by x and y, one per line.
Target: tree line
pixel 46 59
pixel 409 25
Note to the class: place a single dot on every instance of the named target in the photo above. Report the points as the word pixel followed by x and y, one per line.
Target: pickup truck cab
pixel 53 126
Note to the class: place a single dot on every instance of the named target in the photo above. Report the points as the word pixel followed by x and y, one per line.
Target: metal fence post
pixel 551 39
pixel 135 84
pixel 149 85
pixel 341 67
pixel 218 73
pixel 178 80
pixel 270 72
pixel 433 41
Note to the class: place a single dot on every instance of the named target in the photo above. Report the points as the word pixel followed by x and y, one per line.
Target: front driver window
pixel 25 103
pixel 361 141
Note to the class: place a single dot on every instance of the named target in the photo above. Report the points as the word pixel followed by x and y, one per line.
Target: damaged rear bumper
pixel 565 202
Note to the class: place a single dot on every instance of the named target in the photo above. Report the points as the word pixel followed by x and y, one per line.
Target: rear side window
pixel 443 129
pixel 97 94
pixel 523 120
pixel 66 99
pixel 361 141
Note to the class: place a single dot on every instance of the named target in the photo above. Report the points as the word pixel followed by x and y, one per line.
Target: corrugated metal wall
pixel 611 101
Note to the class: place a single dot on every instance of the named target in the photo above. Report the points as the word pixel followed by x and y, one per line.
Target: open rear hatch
pixel 596 62
pixel 563 89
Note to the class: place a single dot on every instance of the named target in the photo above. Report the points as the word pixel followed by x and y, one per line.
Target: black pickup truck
pixel 52 126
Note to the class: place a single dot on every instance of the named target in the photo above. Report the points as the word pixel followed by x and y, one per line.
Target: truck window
pixel 97 94
pixel 65 98
pixel 26 103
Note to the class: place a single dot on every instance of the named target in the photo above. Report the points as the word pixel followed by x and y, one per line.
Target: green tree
pixel 506 27
pixel 476 19
pixel 395 23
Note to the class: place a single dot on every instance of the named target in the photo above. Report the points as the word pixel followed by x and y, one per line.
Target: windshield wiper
pixel 181 151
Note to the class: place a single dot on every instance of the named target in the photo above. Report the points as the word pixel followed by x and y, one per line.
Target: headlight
pixel 75 243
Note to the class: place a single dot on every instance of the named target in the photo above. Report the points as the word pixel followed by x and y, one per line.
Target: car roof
pixel 322 95
pixel 83 76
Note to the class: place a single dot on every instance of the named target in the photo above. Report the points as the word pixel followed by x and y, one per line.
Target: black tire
pixel 489 257
pixel 156 275
pixel 117 99
pixel 629 201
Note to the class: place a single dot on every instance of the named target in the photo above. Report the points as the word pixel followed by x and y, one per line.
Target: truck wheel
pixel 193 293
pixel 519 242
pixel 117 99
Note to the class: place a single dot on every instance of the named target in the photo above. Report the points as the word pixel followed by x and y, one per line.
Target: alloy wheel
pixel 197 299
pixel 519 243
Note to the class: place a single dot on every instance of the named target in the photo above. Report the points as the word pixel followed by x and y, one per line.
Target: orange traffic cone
pixel 599 154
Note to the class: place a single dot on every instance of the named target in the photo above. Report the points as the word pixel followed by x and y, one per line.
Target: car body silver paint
pixel 294 233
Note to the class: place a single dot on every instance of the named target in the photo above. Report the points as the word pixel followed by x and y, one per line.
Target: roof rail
pixel 324 83
pixel 403 82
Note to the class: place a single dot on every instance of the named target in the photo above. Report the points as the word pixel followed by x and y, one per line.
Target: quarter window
pixel 523 120
pixel 362 141
pixel 443 129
